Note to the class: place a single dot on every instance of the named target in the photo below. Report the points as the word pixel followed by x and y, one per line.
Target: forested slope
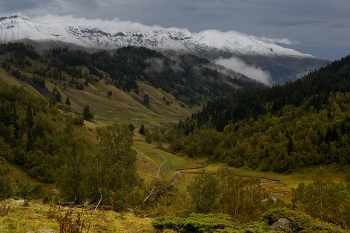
pixel 281 128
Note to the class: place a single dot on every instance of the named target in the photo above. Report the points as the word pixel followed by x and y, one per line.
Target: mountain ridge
pixel 211 44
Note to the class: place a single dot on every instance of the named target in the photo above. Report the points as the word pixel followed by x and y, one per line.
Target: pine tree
pixel 146 99
pixel 68 101
pixel 29 116
pixel 142 130
pixel 86 113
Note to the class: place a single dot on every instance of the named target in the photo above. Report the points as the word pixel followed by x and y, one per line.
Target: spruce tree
pixel 142 130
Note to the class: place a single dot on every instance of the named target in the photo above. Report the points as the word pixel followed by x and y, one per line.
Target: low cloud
pixel 276 22
pixel 156 65
pixel 339 26
pixel 239 66
pixel 111 26
pixel 284 41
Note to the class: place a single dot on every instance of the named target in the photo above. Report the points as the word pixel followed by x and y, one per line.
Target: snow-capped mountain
pixel 16 28
pixel 211 44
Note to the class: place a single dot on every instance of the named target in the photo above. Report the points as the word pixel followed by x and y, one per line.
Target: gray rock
pixel 11 200
pixel 47 231
pixel 43 231
pixel 282 224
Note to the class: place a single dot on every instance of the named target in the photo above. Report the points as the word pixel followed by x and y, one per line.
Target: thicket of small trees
pixel 225 202
pixel 108 175
pixel 35 136
pixel 324 199
pixel 239 197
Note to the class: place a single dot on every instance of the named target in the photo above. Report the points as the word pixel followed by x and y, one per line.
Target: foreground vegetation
pixel 36 217
pixel 299 222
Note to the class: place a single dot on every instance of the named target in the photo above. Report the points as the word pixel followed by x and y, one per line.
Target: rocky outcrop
pixel 283 225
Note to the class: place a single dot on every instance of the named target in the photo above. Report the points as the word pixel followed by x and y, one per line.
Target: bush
pixel 253 227
pixel 201 223
pixel 78 121
pixel 36 192
pixel 194 223
pixel 4 209
pixel 5 188
pixel 68 225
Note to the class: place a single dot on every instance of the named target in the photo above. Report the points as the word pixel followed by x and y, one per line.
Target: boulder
pixel 282 224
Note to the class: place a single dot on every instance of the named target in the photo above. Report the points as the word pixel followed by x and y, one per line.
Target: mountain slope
pixel 211 44
pixel 130 83
pixel 281 128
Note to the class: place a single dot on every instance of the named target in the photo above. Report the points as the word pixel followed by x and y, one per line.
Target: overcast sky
pixel 317 27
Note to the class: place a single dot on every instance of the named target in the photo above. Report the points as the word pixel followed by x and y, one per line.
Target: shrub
pixel 68 225
pixel 4 209
pixel 5 187
pixel 194 223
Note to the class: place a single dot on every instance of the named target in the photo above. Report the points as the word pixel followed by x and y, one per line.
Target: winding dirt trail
pixel 161 165
pixel 193 170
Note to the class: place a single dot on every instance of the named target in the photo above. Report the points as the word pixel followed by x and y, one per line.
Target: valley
pixel 71 132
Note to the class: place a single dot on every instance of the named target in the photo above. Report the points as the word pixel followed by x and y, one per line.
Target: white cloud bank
pixel 238 65
pixel 284 41
pixel 115 25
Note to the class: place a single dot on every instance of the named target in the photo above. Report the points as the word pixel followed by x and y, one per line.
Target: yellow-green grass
pixel 292 179
pixel 146 167
pixel 9 79
pixel 120 107
pixel 39 216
